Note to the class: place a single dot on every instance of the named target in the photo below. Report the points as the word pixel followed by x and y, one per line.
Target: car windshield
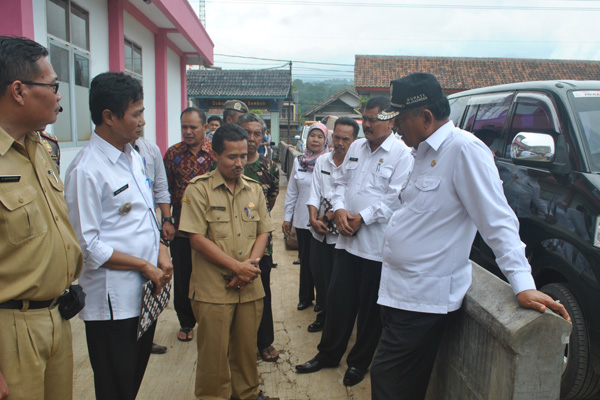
pixel 586 107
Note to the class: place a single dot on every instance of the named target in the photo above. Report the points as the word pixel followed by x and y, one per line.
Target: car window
pixel 586 107
pixel 457 107
pixel 486 118
pixel 531 115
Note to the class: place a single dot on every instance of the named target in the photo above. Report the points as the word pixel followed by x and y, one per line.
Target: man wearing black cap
pixel 232 109
pixel 453 191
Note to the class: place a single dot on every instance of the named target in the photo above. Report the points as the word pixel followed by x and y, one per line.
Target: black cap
pixel 412 91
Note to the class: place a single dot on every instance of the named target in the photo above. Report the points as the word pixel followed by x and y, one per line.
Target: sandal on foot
pixel 185 334
pixel 269 354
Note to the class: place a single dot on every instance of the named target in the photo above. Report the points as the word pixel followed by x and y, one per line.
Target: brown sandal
pixel 269 354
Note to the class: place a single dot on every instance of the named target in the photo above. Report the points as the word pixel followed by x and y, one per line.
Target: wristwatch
pixel 170 219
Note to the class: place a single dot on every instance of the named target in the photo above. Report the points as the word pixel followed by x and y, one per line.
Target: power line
pixel 282 60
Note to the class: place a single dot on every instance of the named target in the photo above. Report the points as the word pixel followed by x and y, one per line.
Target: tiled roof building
pixel 372 74
pixel 343 103
pixel 257 84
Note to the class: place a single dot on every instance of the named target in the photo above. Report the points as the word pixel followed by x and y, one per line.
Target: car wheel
pixel 578 379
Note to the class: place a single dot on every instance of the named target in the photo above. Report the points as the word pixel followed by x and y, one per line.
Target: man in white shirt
pixel 321 214
pixel 366 194
pixel 112 210
pixel 453 191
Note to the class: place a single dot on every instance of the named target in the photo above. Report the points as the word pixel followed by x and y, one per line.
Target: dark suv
pixel 545 137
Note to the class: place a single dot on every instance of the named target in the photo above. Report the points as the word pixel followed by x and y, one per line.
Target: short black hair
pixel 198 111
pixel 379 102
pixel 215 118
pixel 347 121
pixel 113 91
pixel 18 60
pixel 230 133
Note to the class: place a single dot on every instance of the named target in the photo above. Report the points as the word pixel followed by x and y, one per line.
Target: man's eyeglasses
pixel 54 86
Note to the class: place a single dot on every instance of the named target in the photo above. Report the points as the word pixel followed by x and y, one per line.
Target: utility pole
pixel 202 13
pixel 290 109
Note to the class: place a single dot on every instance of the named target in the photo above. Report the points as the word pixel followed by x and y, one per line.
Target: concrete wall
pixel 494 349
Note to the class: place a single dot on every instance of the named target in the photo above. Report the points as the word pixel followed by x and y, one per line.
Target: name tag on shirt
pixel 301 169
pixel 121 190
pixel 325 172
pixel 218 208
pixel 9 178
pixel 353 158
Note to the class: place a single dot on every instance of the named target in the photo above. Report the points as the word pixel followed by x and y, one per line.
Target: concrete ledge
pixel 494 349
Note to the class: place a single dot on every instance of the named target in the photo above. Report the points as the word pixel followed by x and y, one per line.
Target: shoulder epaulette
pixel 250 179
pixel 201 177
pixel 48 136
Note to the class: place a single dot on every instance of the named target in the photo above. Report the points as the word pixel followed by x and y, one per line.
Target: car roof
pixel 550 86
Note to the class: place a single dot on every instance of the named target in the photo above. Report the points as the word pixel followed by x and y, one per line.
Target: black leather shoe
pixel 304 306
pixel 353 376
pixel 311 366
pixel 318 308
pixel 262 396
pixel 315 327
pixel 158 349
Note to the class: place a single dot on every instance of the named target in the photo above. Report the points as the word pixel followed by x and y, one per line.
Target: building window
pixel 68 43
pixel 133 59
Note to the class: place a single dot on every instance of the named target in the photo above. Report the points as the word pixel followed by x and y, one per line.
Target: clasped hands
pixel 347 225
pixel 244 274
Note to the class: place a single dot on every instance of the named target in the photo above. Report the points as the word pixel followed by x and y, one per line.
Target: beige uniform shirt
pixel 232 221
pixel 39 251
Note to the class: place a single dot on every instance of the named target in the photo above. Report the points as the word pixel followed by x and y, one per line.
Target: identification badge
pixel 301 169
pixel 353 159
pixel 125 208
pixel 121 190
pixel 9 178
pixel 325 172
pixel 218 208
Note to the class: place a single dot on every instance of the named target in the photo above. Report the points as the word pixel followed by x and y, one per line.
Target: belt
pixel 33 305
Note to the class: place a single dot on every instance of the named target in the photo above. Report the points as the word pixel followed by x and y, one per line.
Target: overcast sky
pixel 334 31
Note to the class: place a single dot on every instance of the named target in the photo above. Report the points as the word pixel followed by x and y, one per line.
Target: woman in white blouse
pixel 298 191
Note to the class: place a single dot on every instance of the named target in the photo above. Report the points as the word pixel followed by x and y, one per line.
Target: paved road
pixel 171 375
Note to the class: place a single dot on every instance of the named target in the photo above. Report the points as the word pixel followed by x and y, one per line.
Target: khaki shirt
pixel 232 222
pixel 39 251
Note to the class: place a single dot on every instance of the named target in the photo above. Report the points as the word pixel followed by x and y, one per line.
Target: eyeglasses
pixel 54 86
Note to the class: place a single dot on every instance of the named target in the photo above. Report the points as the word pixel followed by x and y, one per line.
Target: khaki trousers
pixel 227 350
pixel 36 354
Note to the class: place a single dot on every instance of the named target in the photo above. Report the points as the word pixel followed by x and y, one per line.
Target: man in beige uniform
pixel 225 215
pixel 39 252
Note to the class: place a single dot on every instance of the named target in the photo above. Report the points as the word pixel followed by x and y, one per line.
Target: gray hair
pixel 251 117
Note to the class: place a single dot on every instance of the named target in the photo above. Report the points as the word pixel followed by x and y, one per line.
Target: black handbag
pixel 71 301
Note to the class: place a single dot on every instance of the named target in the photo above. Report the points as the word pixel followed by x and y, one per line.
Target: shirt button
pixel 236 216
pixel 218 217
pixel 393 224
pixel 240 253
pixel 387 244
pixel 239 233
pixel 21 200
pixel 56 219
pixel 68 247
pixel 424 185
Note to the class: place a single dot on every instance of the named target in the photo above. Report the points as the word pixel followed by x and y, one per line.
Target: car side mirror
pixel 533 149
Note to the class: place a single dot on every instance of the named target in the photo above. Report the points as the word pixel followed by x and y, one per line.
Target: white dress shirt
pixel 322 187
pixel 100 184
pixel 155 170
pixel 369 184
pixel 296 196
pixel 453 191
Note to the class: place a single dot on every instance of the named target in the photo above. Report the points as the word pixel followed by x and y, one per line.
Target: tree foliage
pixel 312 93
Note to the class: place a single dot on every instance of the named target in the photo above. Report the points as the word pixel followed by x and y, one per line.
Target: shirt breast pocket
pixel 380 179
pixel 427 199
pixel 301 175
pixel 250 222
pixel 20 215
pixel 219 224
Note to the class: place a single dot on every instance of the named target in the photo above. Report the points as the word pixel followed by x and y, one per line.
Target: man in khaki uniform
pixel 39 249
pixel 225 215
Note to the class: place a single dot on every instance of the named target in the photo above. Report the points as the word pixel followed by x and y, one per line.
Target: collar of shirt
pixel 218 180
pixel 386 145
pixel 438 137
pixel 110 151
pixel 6 140
pixel 205 147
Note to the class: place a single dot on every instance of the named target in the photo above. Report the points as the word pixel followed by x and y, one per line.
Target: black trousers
pixel 307 286
pixel 266 333
pixel 181 252
pixel 404 361
pixel 322 255
pixel 352 292
pixel 118 359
